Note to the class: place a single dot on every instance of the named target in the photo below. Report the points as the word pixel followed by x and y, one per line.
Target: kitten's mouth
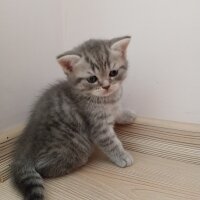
pixel 106 92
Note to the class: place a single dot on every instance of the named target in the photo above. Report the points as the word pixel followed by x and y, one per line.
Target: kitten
pixel 73 115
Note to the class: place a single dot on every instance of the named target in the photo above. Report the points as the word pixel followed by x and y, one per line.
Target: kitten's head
pixel 96 67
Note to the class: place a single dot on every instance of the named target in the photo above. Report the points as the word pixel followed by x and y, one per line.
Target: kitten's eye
pixel 113 73
pixel 92 79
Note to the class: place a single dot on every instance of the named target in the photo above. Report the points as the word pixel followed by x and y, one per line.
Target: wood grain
pixel 167 166
pixel 172 140
pixel 149 178
pixel 7 142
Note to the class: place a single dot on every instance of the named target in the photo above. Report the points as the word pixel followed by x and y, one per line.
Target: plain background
pixel 164 54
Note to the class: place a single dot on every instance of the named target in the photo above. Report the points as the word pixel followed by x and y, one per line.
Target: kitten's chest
pixel 111 110
pixel 106 113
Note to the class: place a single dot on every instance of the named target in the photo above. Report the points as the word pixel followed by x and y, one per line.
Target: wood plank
pixel 7 135
pixel 149 178
pixel 172 140
pixel 183 126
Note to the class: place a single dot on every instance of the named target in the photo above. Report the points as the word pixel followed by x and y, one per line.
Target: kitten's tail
pixel 28 181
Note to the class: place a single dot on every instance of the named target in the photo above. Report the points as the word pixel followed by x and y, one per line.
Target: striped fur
pixel 72 116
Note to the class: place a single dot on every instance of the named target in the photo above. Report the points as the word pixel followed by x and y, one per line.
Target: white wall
pixel 164 76
pixel 31 36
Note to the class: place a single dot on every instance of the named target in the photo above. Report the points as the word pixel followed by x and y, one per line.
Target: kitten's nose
pixel 106 87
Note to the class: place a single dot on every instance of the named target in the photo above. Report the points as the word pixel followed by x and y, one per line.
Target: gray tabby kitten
pixel 73 115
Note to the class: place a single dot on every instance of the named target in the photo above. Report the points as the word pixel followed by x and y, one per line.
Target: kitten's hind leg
pixel 58 164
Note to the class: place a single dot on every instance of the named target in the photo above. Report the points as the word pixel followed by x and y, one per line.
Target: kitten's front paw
pixel 127 117
pixel 124 160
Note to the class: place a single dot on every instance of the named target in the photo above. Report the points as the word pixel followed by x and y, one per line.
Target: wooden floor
pixel 167 166
pixel 150 178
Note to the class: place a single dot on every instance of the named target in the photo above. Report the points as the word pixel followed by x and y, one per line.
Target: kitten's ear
pixel 68 62
pixel 120 44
